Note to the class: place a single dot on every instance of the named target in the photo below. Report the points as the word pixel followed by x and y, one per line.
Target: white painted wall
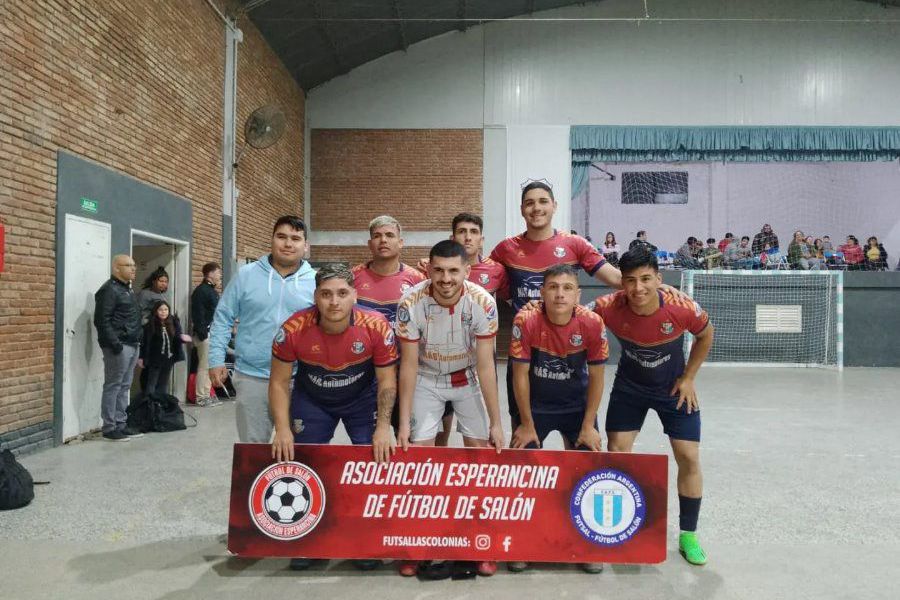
pixel 731 62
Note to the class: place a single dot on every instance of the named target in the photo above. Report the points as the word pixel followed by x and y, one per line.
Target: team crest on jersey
pixel 697 310
pixel 365 286
pixel 667 328
pixel 389 338
pixel 403 314
pixel 484 279
pixel 315 349
pixel 280 336
pixel 404 287
pixel 576 339
pixel 287 501
pixel 559 252
pixel 358 347
pixel 516 332
pixel 492 312
pixel 298 426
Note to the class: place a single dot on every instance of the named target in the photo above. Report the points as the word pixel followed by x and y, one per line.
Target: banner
pixel 449 503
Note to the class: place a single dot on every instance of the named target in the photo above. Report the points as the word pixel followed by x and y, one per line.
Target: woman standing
pixel 163 346
pixel 610 249
pixel 154 290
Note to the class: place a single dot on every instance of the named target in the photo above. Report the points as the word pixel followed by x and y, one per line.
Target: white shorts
pixel 428 410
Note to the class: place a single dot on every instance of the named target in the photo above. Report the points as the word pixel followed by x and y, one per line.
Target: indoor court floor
pixel 802 500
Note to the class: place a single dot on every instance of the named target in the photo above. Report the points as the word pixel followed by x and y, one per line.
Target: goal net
pixel 772 318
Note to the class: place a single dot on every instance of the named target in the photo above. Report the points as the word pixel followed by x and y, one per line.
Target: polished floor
pixel 802 500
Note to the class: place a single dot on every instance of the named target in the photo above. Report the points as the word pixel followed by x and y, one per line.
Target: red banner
pixel 449 503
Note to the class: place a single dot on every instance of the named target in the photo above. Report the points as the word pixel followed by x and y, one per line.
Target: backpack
pixel 156 412
pixel 16 484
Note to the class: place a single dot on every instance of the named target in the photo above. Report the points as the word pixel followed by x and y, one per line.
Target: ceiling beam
pixel 401 28
pixel 322 26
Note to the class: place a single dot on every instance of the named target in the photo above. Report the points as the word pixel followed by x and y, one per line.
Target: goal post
pixel 771 318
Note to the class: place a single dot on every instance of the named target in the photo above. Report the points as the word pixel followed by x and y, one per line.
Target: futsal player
pixel 650 324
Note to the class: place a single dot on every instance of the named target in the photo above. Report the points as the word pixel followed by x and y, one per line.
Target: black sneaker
pixel 131 432
pixel 366 564
pixel 115 436
pixel 302 564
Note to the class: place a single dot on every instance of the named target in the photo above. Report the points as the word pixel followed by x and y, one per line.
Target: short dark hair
pixel 637 258
pixel 466 217
pixel 729 235
pixel 692 240
pixel 853 237
pixel 710 240
pixel 558 270
pixel 448 249
pixel 746 237
pixel 295 222
pixel 640 233
pixel 334 271
pixel 210 267
pixel 537 185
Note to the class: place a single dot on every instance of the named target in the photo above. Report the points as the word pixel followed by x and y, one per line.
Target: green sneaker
pixel 690 549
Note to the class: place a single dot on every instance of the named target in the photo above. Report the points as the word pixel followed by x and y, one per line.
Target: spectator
pixel 725 242
pixel 610 249
pixel 163 347
pixel 641 242
pixel 819 249
pixel 853 254
pixel 711 256
pixel 826 244
pixel 740 256
pixel 154 290
pixel 876 255
pixel 765 236
pixel 800 255
pixel 262 295
pixel 686 257
pixel 203 306
pixel 117 317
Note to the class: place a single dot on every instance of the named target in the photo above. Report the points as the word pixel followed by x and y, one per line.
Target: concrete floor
pixel 802 500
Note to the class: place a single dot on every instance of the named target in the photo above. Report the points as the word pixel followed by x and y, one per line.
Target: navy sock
pixel 690 512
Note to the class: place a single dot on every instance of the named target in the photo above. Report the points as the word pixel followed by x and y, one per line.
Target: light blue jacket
pixel 262 300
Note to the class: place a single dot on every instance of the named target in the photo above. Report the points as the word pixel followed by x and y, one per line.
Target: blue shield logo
pixel 608 508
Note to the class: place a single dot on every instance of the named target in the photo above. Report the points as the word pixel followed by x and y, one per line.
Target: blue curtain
pixel 593 143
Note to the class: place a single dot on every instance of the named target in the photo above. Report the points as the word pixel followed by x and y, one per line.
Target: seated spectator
pixel 819 248
pixel 826 244
pixel 726 241
pixel 641 242
pixel 710 256
pixel 686 257
pixel 163 346
pixel 740 256
pixel 876 255
pixel 765 236
pixel 853 254
pixel 800 255
pixel 610 249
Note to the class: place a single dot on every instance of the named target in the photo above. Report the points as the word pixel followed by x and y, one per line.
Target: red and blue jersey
pixel 558 357
pixel 382 293
pixel 526 260
pixel 490 275
pixel 335 370
pixel 652 345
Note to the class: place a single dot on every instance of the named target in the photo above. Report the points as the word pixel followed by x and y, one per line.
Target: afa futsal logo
pixel 287 501
pixel 607 507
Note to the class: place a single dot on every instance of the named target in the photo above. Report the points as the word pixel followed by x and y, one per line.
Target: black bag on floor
pixel 16 484
pixel 156 412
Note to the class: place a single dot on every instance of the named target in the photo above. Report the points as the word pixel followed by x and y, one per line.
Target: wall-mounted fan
pixel 263 127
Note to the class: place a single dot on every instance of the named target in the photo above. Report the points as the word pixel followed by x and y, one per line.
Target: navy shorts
pixel 567 424
pixel 314 423
pixel 628 406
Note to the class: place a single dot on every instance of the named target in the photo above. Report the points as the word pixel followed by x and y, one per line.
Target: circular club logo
pixel 484 279
pixel 287 501
pixel 607 507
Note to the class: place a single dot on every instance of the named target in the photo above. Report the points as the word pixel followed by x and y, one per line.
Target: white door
pixel 87 267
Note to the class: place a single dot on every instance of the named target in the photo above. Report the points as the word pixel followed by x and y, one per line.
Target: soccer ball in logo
pixel 287 500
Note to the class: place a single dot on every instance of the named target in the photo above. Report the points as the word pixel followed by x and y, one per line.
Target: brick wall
pixel 136 86
pixel 423 177
pixel 355 255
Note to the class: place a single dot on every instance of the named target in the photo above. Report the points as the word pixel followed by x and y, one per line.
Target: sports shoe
pixel 132 432
pixel 302 564
pixel 366 564
pixel 689 548
pixel 592 568
pixel 516 566
pixel 486 568
pixel 408 568
pixel 115 435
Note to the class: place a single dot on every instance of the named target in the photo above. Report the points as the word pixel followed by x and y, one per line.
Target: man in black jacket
pixel 117 317
pixel 203 306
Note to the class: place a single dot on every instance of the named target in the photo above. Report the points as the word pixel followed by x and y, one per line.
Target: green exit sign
pixel 88 205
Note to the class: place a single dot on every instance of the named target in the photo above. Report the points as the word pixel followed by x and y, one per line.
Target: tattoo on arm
pixel 386 399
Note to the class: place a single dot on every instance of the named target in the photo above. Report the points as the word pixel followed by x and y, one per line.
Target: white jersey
pixel 447 335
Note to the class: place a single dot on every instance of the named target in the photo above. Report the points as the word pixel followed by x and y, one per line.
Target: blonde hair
pixel 383 220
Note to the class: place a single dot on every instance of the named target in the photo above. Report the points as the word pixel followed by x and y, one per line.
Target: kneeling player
pixel 446 327
pixel 346 369
pixel 557 354
pixel 650 324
